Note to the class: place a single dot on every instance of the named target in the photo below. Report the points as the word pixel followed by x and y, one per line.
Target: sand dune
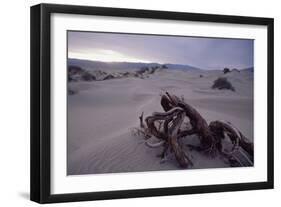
pixel 102 115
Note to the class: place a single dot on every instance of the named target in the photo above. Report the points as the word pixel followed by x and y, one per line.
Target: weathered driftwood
pixel 168 128
pixel 240 143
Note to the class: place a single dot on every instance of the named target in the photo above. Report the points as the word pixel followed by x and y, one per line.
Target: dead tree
pixel 168 128
pixel 242 148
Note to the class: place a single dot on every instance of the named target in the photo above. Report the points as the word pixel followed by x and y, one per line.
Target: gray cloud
pixel 205 53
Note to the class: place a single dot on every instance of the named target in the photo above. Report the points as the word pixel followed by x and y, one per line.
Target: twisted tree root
pixel 171 128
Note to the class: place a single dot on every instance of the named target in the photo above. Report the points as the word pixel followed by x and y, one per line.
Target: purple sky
pixel 205 53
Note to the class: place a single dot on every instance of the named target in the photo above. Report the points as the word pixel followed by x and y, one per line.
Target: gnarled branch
pixel 171 128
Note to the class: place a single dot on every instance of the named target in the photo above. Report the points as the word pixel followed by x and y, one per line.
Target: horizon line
pixel 84 59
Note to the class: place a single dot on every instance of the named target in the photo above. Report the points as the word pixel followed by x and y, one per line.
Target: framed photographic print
pixel 133 103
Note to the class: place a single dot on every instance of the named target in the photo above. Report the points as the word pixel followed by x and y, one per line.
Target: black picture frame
pixel 40 184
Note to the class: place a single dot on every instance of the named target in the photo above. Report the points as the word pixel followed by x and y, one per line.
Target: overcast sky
pixel 205 53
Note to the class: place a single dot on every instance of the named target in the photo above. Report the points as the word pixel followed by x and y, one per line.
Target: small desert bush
pixel 222 83
pixel 142 70
pixel 164 66
pixel 86 76
pixel 226 70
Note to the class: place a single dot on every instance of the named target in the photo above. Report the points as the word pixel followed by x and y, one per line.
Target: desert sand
pixel 102 115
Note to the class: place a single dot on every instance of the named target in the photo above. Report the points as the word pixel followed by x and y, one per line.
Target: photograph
pixel 150 102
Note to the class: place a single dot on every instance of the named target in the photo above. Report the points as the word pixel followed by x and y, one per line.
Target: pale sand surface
pixel 103 113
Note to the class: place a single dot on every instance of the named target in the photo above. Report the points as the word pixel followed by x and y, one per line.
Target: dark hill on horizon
pixel 99 65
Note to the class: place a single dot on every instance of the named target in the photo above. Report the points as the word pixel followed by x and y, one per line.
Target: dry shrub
pixel 222 83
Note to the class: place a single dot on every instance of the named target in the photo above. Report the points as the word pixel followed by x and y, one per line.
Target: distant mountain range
pixel 99 65
pixel 127 66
